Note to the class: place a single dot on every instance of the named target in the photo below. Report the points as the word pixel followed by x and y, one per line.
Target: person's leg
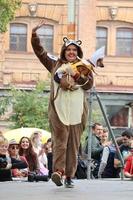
pixel 60 138
pixel 72 153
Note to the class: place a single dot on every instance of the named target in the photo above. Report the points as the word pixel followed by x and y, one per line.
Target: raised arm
pixel 40 52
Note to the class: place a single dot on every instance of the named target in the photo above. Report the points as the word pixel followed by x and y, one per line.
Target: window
pixel 18 37
pixel 124 42
pixel 118 115
pixel 46 37
pixel 101 37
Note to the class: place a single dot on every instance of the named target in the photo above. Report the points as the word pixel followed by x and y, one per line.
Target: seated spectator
pixel 43 160
pixel 96 147
pixel 13 153
pixel 26 150
pixel 7 163
pixel 50 156
pixel 124 148
pixel 104 138
pixel 40 150
pixel 107 169
pixel 36 141
pixel 128 168
pixel 119 140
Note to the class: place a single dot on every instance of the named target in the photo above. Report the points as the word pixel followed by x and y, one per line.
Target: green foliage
pixel 7 12
pixel 4 102
pixel 30 109
pixel 96 116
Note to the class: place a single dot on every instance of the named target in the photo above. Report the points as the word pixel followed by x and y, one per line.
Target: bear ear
pixel 65 39
pixel 79 42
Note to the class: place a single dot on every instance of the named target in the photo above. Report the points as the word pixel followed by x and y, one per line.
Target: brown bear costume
pixel 68 109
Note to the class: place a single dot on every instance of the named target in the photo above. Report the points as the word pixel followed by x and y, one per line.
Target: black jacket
pixel 5 174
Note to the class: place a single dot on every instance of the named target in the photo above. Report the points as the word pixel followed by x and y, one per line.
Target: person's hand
pixel 41 23
pixel 18 173
pixel 108 143
pixel 67 82
pixel 3 162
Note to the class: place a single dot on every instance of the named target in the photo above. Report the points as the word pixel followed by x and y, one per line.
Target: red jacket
pixel 129 165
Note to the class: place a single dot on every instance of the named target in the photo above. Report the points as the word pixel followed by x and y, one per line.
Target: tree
pixel 4 102
pixel 7 12
pixel 97 116
pixel 30 109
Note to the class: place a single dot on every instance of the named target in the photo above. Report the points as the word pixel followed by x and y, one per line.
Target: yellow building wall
pixel 25 68
pixel 118 71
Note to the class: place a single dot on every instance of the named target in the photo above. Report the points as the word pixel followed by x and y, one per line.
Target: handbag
pixel 33 176
pixel 81 172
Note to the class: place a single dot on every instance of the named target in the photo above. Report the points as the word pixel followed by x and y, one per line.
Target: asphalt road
pixel 83 190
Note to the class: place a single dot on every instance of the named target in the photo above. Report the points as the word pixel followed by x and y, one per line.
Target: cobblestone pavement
pixel 84 190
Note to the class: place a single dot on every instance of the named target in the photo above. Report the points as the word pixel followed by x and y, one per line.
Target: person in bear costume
pixel 68 107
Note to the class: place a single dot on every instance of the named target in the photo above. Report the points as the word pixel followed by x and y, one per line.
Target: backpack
pixel 81 172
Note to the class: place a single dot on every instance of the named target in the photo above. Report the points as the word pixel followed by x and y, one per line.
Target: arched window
pixel 18 37
pixel 46 37
pixel 124 42
pixel 101 37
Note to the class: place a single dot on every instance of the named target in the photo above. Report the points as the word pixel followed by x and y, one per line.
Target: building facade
pixel 95 22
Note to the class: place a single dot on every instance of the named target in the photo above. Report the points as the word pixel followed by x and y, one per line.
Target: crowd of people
pixel 104 154
pixel 27 158
pixel 71 77
pixel 31 159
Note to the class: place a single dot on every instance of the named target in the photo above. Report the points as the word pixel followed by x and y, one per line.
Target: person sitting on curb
pixel 128 168
pixel 7 163
pixel 13 150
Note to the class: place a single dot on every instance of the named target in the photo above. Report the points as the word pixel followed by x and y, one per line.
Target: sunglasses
pixel 14 147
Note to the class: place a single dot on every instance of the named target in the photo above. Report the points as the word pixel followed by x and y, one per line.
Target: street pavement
pixel 84 190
